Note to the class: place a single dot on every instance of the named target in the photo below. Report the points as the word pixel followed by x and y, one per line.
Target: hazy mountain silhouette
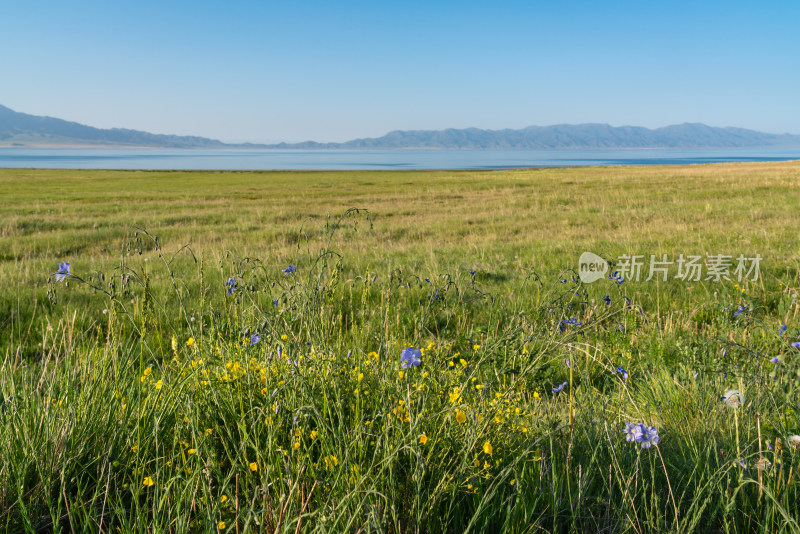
pixel 22 129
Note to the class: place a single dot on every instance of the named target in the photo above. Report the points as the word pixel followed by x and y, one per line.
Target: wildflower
pixel 472 272
pixel 569 364
pixel 231 285
pixel 221 525
pixel 255 338
pixel 313 434
pixel 148 481
pixel 649 436
pixel 192 451
pixel 208 431
pixel 776 359
pixel 455 395
pixel 410 357
pixel 741 309
pixel 174 344
pixel 476 347
pixel 423 439
pixel 617 277
pixel 487 448
pixel 733 398
pixel 573 322
pixel 623 372
pixel 796 344
pixel 633 432
pixel 275 303
pixel 461 417
pixel 190 342
pixel 607 300
pixel 63 272
pixel 558 389
pixel 794 441
pixel 290 269
pixel 223 499
pixel 782 329
pixel 253 466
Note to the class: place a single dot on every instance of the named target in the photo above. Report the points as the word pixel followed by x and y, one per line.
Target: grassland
pixel 134 398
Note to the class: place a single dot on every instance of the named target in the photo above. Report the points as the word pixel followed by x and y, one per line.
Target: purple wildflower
pixel 63 272
pixel 558 389
pixel 633 432
pixel 649 436
pixel 410 357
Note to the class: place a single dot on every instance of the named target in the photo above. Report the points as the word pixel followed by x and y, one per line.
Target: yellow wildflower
pixel 148 481
pixel 190 342
pixel 487 448
pixel 221 525
pixel 461 417
pixel 423 439
pixel 253 466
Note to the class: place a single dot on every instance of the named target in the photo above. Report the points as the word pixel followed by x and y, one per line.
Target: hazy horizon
pixel 266 72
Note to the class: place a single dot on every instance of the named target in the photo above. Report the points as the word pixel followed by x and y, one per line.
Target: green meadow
pixel 230 351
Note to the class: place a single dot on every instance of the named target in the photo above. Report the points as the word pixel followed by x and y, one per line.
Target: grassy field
pixel 182 379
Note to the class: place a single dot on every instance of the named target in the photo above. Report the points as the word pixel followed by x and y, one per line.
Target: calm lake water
pixel 100 158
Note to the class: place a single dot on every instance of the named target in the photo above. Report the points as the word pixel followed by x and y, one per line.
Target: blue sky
pixel 267 71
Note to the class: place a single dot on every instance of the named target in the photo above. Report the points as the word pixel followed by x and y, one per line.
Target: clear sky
pixel 295 70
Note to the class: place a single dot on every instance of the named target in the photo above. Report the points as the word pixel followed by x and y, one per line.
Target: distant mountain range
pixel 22 129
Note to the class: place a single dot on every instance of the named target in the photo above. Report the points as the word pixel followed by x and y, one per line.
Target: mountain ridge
pixel 21 129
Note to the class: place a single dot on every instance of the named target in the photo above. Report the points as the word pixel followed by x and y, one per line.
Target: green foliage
pixel 132 396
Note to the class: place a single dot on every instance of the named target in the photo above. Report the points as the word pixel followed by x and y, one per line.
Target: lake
pixel 243 159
